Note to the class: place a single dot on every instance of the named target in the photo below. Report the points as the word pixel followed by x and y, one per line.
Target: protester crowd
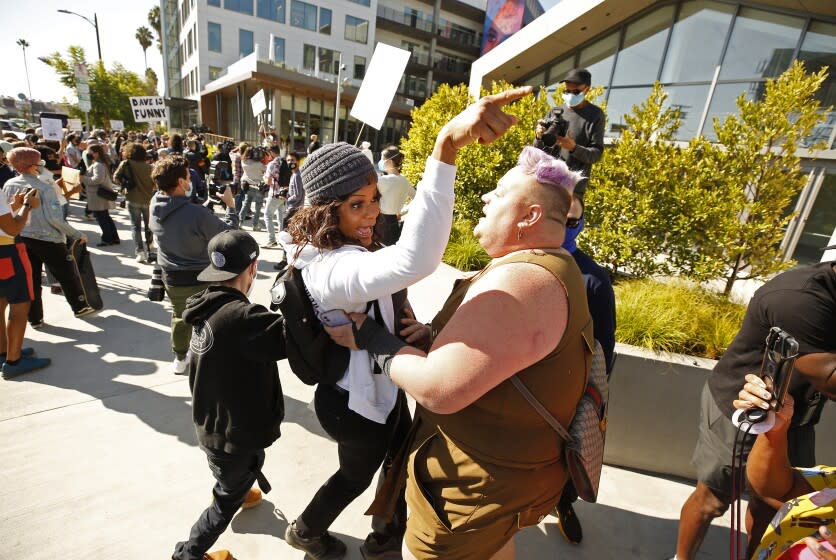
pixel 506 363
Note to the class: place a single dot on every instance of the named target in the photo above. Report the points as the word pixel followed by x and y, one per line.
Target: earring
pixel 519 233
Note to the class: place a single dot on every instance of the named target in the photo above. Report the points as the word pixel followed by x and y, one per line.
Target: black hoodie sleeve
pixel 264 337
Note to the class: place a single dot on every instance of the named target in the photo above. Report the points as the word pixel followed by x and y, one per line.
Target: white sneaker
pixel 179 367
pixel 142 257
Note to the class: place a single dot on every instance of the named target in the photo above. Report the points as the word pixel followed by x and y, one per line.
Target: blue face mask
pixel 570 243
pixel 381 166
pixel 573 99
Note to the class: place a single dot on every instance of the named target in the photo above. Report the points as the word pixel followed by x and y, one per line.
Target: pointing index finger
pixel 508 96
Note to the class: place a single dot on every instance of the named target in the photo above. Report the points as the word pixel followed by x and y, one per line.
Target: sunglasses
pixel 572 223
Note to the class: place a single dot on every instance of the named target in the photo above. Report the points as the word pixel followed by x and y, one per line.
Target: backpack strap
pixel 547 416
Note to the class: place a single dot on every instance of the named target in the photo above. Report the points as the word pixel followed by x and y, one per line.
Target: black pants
pixel 56 257
pixel 362 445
pixel 235 475
pixel 109 233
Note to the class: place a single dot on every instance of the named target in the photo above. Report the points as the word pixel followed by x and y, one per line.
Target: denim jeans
pixel 252 195
pixel 276 208
pixel 109 234
pixel 235 475
pixel 362 446
pixel 140 214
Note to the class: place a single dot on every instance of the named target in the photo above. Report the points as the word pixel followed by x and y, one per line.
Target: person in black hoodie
pixel 237 400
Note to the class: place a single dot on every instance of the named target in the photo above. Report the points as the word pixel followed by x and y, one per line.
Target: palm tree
pixel 143 35
pixel 23 44
pixel 154 22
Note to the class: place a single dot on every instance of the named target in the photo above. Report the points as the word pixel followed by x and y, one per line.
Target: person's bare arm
pixel 512 318
pixel 14 222
pixel 820 370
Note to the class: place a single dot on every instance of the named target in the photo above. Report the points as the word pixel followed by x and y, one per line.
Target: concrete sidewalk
pixel 101 459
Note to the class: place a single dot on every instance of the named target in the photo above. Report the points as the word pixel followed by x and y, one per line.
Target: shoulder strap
pixel 547 416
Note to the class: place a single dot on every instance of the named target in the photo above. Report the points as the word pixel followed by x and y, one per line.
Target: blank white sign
pixel 380 85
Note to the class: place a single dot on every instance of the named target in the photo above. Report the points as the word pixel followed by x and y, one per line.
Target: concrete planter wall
pixel 654 412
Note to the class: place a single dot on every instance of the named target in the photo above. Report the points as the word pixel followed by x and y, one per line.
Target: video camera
pixel 555 126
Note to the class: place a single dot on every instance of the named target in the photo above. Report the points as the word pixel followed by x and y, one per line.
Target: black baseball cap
pixel 230 253
pixel 578 76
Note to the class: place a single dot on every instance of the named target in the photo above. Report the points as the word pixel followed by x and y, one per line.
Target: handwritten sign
pixel 52 129
pixel 149 109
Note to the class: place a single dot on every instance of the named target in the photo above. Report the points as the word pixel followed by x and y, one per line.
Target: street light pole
pixel 340 69
pixel 23 44
pixel 94 23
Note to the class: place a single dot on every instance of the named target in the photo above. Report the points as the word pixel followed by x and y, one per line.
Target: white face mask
pixel 252 284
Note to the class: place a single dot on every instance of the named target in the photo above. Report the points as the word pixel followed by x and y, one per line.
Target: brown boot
pixel 253 499
pixel 219 555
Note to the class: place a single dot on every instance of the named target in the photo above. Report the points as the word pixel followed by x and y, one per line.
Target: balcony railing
pixel 409 20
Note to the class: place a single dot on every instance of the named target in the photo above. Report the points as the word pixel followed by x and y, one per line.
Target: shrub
pixel 463 250
pixel 675 318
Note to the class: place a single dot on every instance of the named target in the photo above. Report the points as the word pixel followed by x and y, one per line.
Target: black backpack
pixel 312 355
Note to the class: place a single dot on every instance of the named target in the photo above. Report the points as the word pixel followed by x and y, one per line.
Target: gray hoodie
pixel 182 231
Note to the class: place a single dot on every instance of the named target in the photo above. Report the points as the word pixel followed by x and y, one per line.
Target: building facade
pixel 219 53
pixel 705 53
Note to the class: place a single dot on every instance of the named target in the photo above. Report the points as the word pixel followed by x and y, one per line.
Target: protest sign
pixel 380 84
pixel 259 103
pixel 74 124
pixel 52 129
pixel 149 109
pixel 117 125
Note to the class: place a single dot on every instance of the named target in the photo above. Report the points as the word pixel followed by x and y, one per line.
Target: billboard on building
pixel 503 18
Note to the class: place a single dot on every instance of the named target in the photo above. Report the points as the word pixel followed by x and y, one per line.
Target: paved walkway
pixel 100 457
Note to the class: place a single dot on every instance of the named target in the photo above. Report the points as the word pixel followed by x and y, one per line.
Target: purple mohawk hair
pixel 548 170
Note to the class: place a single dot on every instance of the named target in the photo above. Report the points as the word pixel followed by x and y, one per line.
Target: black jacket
pixel 237 400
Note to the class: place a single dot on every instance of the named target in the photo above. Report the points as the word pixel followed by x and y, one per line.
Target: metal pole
pixel 98 43
pixel 87 120
pixel 337 108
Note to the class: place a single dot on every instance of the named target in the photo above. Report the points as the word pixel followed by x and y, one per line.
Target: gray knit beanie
pixel 335 171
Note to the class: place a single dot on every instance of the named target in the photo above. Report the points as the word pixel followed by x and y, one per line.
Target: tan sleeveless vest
pixel 501 427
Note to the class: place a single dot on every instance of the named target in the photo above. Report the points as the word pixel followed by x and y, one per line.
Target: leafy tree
pixel 479 167
pixel 143 35
pixel 109 90
pixel 761 172
pixel 154 22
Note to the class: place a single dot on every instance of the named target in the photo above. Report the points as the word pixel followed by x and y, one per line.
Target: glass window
pixel 820 224
pixel 214 2
pixel 761 45
pixel 724 103
pixel 361 2
pixel 356 29
pixel 246 43
pixel 271 9
pixel 700 23
pixel 641 53
pixel 329 61
pixel 621 103
pixel 309 58
pixel 215 72
pixel 214 35
pixel 536 80
pixel 303 15
pixel 598 58
pixel 243 6
pixel 691 102
pixel 557 73
pixel 359 67
pixel 278 50
pixel 325 21
pixel 819 49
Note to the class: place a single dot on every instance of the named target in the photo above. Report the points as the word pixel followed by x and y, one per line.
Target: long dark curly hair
pixel 319 225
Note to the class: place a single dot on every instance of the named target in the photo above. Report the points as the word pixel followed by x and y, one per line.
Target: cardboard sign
pixel 117 125
pixel 52 129
pixel 71 176
pixel 149 109
pixel 74 124
pixel 380 84
pixel 259 103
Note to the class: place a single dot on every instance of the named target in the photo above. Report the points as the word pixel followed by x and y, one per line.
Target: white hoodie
pixel 351 276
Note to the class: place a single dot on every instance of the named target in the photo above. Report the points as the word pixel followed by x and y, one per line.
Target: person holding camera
pixel 574 132
pixel 802 301
pixel 182 231
pixel 805 497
